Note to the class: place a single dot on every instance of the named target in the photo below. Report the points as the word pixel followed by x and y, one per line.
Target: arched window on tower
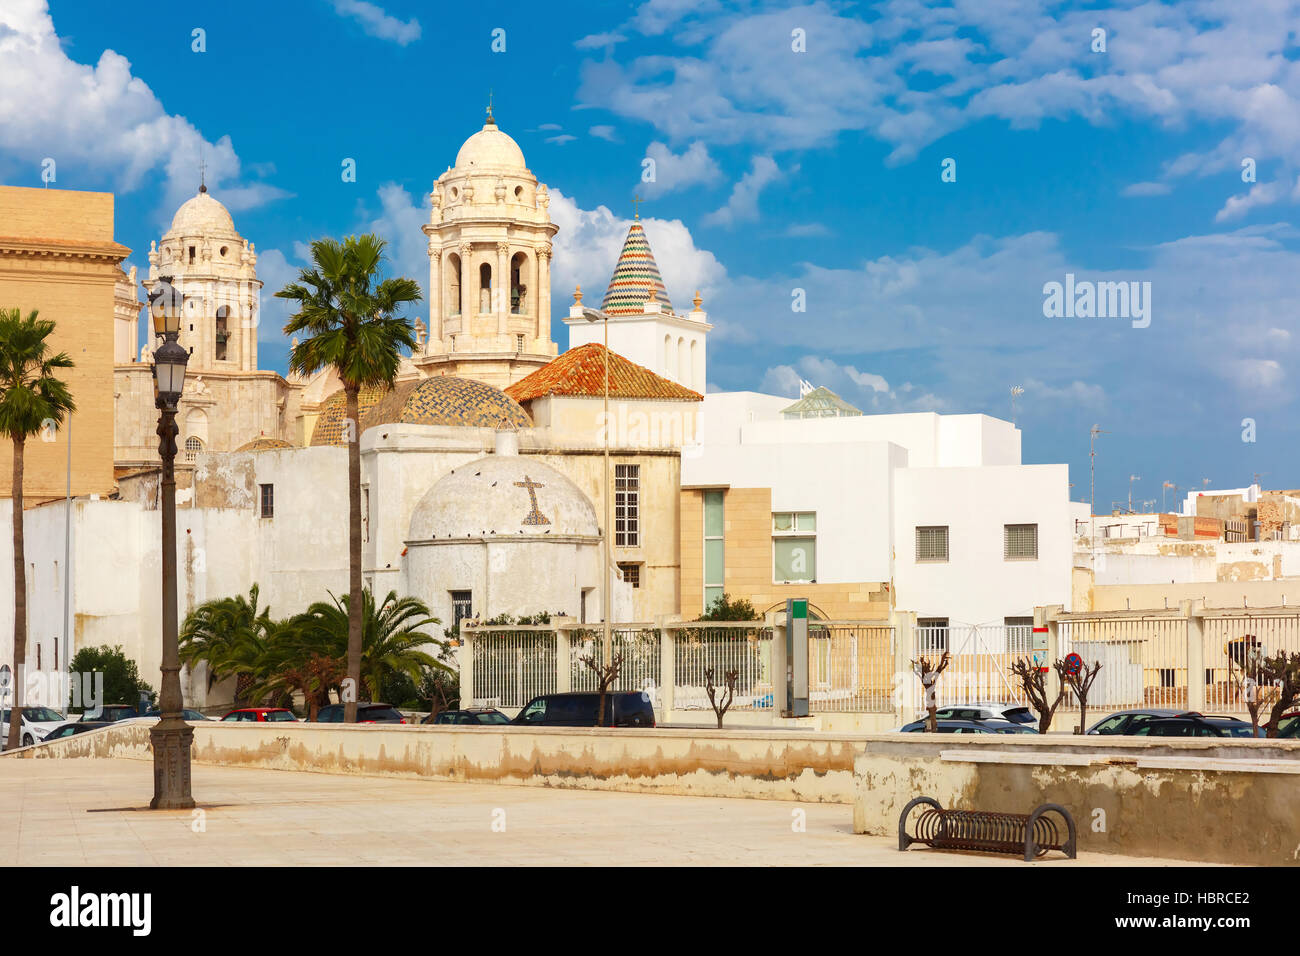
pixel 223 332
pixel 192 448
pixel 453 284
pixel 484 289
pixel 518 288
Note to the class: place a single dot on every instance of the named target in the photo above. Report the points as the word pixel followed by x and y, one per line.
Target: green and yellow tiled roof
pixel 447 400
pixel 329 423
pixel 634 276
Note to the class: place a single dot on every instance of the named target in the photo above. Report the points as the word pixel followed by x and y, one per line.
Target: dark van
pixel 631 708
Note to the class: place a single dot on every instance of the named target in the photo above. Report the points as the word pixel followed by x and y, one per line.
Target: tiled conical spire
pixel 634 276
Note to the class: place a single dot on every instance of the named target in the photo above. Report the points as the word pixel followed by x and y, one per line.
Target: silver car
pixel 986 710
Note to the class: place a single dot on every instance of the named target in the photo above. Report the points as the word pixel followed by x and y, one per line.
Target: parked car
pixel 969 727
pixel 112 713
pixel 74 727
pixel 260 715
pixel 367 713
pixel 1196 725
pixel 982 710
pixel 1127 721
pixel 1289 725
pixel 186 713
pixel 631 708
pixel 36 723
pixel 474 716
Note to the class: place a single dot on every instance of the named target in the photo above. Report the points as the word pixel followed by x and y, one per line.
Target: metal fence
pixel 743 647
pixel 1232 648
pixel 850 667
pixel 1143 660
pixel 513 665
pixel 639 646
pixel 979 666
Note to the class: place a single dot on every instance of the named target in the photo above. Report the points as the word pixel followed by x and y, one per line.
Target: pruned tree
pixel 730 679
pixel 1081 685
pixel 1245 667
pixel 1033 680
pixel 929 676
pixel 1281 672
pixel 606 677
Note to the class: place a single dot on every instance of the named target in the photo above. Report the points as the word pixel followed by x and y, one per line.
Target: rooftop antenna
pixel 1092 496
pixel 1016 390
pixel 491 121
pixel 1131 479
pixel 203 170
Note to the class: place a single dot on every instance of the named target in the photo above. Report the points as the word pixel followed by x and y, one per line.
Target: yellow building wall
pixel 57 256
pixel 747 563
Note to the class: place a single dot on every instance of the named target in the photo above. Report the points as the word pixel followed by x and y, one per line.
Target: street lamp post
pixel 171 737
pixel 594 315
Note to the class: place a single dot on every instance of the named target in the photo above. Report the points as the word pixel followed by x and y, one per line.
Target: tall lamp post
pixel 171 737
pixel 598 315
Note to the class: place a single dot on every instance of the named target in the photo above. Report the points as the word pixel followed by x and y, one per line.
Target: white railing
pixel 850 667
pixel 512 665
pixel 1232 647
pixel 722 647
pixel 639 647
pixel 979 665
pixel 1143 660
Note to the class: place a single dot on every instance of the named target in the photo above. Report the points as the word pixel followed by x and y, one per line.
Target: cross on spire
pixel 203 171
pixel 636 202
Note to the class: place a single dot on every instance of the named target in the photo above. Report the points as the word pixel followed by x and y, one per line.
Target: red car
pixel 260 714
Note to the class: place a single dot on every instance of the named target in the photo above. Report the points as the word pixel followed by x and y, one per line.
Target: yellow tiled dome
pixel 263 443
pixel 329 423
pixel 446 400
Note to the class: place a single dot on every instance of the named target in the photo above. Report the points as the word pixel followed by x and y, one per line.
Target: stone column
pixel 1194 612
pixel 468 287
pixel 563 651
pixel 905 681
pixel 544 293
pixel 501 288
pixel 435 296
pixel 466 660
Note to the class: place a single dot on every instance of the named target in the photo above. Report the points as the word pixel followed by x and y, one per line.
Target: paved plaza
pixel 91 812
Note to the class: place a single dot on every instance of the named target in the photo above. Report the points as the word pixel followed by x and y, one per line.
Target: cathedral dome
pixel 328 429
pixel 202 216
pixel 503 496
pixel 490 147
pixel 446 400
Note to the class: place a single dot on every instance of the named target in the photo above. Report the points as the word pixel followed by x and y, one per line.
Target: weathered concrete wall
pixel 1180 799
pixel 770 765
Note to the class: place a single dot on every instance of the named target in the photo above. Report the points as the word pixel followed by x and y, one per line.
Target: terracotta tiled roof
pixel 581 371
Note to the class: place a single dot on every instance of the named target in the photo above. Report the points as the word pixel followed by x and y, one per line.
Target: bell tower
pixel 489 234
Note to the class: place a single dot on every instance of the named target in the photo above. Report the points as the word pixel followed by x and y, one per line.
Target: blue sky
pixel 777 169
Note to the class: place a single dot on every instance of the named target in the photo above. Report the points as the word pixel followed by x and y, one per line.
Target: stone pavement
pixel 91 811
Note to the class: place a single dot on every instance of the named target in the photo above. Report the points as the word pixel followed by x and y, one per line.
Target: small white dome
pixel 503 496
pixel 490 147
pixel 202 216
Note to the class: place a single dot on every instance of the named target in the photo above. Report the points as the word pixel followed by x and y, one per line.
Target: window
pixel 268 501
pixel 192 448
pixel 933 633
pixel 365 512
pixel 1020 542
pixel 519 342
pixel 1020 634
pixel 191 255
pixel 462 606
pixel 794 546
pixel 627 506
pixel 714 525
pixel 222 335
pixel 38 656
pixel 932 543
pixel 631 573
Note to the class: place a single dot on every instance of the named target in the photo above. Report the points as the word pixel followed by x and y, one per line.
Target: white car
pixel 37 722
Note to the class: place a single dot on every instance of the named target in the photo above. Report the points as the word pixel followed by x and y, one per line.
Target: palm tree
pixel 225 634
pixel 348 318
pixel 298 660
pixel 392 635
pixel 31 399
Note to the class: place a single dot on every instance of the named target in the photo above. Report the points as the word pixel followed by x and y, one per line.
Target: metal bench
pixel 1034 834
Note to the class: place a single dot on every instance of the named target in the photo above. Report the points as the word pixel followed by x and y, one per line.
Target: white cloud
pixel 674 171
pixel 376 23
pixel 101 123
pixel 867 391
pixel 589 241
pixel 742 206
pixel 561 139
pixel 604 132
pixel 597 41
pixel 1260 194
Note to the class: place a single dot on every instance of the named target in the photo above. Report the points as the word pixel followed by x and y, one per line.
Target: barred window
pixel 1020 634
pixel 462 606
pixel 932 543
pixel 192 448
pixel 933 633
pixel 631 573
pixel 1020 541
pixel 627 506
